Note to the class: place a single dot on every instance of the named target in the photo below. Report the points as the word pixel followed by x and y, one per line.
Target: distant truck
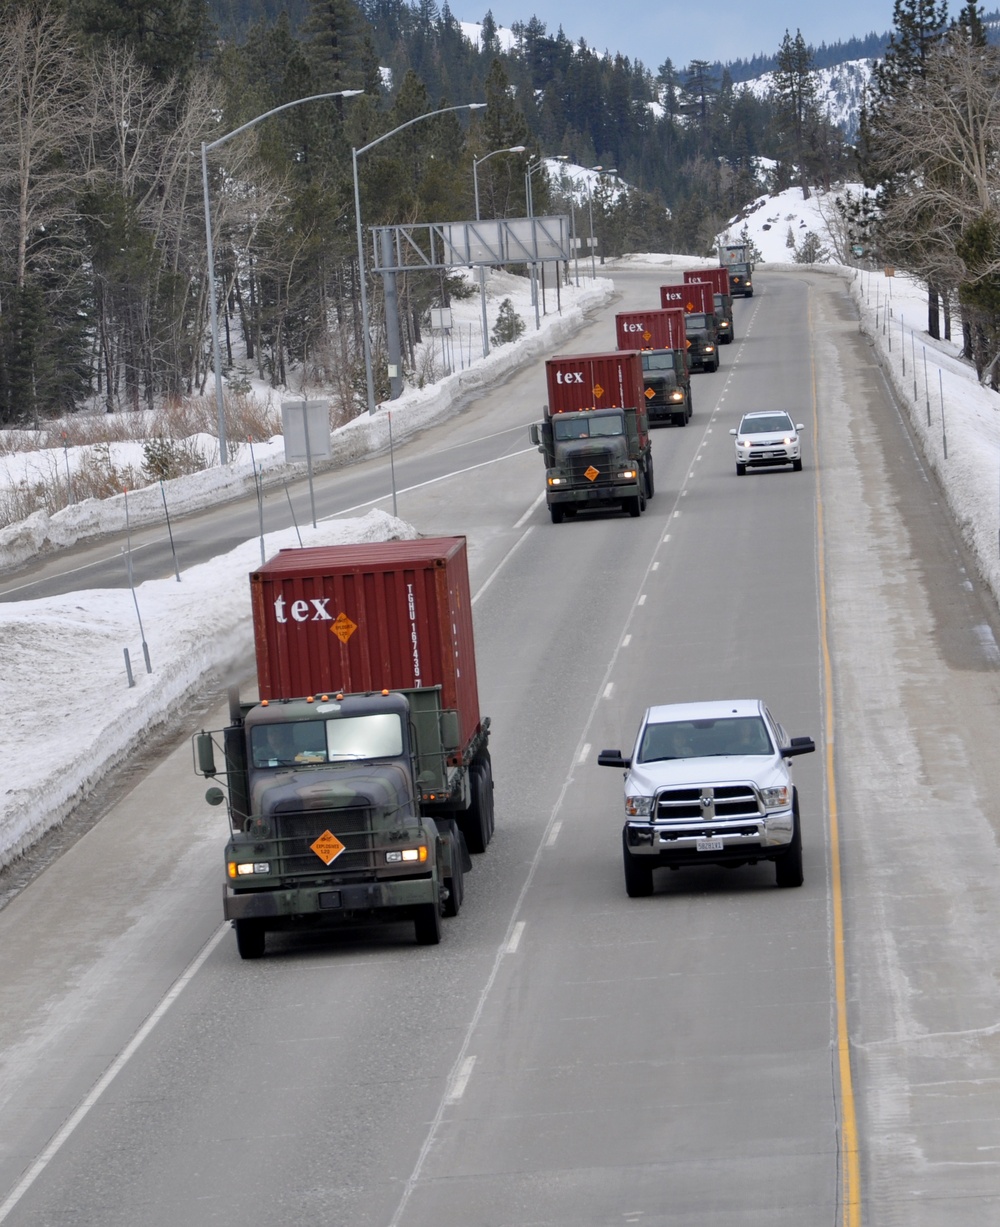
pixel 736 258
pixel 718 278
pixel 701 324
pixel 735 253
pixel 595 434
pixel 360 779
pixel 666 372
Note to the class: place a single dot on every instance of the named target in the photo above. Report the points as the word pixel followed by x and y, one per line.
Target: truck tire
pixel 638 875
pixel 788 867
pixel 556 513
pixel 633 507
pixel 650 484
pixel 484 764
pixel 475 822
pixel 741 469
pixel 427 924
pixel 681 419
pixel 250 938
pixel 455 882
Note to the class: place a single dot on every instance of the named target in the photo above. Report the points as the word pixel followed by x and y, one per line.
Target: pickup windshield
pixel 731 735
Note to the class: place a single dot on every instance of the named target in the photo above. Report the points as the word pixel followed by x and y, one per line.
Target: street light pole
pixel 482 268
pixel 210 251
pixel 532 168
pixel 613 170
pixel 355 154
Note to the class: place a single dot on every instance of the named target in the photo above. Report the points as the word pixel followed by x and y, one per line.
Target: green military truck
pixel 666 370
pixel 360 779
pixel 595 435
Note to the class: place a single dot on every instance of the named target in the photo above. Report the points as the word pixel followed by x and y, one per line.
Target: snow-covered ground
pixel 74 645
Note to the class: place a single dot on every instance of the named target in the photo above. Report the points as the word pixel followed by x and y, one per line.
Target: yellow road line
pixel 850 1174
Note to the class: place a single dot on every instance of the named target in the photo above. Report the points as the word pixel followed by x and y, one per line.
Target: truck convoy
pixel 665 369
pixel 360 779
pixel 595 434
pixel 718 278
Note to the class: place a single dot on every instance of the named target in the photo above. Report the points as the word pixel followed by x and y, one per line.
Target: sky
pixel 658 30
pixel 201 622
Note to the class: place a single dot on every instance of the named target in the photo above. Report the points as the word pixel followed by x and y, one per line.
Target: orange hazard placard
pixel 598 391
pixel 591 474
pixel 649 394
pixel 343 627
pixel 327 847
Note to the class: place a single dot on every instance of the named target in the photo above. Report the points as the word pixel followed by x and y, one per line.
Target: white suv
pixel 710 783
pixel 765 439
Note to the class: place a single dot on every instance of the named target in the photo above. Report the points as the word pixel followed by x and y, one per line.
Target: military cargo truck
pixel 718 278
pixel 666 372
pixel 595 434
pixel 700 324
pixel 360 778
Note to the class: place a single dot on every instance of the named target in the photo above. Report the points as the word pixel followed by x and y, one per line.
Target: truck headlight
pixel 555 481
pixel 775 798
pixel 629 474
pixel 676 396
pixel 245 869
pixel 709 349
pixel 407 854
pixel 638 807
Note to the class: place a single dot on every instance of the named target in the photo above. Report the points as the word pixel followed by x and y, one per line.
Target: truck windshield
pixel 379 735
pixel 704 738
pixel 658 361
pixel 695 321
pixel 586 428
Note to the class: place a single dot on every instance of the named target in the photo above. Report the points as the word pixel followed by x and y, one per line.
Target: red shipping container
pixel 390 615
pixel 693 297
pixel 595 381
pixel 653 329
pixel 718 277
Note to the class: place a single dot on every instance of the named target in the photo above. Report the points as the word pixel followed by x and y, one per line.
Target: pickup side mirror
pixel 799 426
pixel 733 431
pixel 612 758
pixel 798 745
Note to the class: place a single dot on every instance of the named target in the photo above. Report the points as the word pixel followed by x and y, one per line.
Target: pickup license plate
pixel 710 845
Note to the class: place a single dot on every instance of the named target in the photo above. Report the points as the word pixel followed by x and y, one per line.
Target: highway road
pixel 719 1054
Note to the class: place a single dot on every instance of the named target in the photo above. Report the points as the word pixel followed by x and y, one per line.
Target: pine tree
pixel 167 36
pixel 795 102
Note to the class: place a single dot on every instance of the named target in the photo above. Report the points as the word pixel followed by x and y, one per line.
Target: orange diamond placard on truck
pixel 327 847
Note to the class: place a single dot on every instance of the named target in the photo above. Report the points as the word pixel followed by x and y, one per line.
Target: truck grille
pixel 295 832
pixel 687 804
pixel 601 460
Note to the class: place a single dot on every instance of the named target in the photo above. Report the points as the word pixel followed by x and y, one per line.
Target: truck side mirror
pixel 205 753
pixel 215 796
pixel 533 434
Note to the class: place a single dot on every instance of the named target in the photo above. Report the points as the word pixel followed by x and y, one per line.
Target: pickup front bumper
pixel 712 843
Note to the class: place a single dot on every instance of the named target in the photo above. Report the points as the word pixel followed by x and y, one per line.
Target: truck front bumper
pixel 688 843
pixel 592 494
pixel 340 899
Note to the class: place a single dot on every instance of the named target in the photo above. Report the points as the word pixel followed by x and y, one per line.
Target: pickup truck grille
pixel 687 804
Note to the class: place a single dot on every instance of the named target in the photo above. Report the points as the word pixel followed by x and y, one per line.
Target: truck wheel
pixel 427 924
pixel 715 366
pixel 556 513
pixel 633 507
pixel 788 868
pixel 455 883
pixel 250 939
pixel 797 466
pixel 474 822
pixel 638 876
pixel 741 469
pixel 650 485
pixel 485 765
pixel 681 419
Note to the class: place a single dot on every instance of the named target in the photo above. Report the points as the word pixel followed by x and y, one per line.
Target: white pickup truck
pixel 710 783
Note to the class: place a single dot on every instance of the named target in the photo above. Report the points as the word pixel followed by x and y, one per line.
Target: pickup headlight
pixel 775 798
pixel 638 807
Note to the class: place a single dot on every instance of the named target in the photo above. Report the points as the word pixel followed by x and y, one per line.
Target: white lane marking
pixel 584 753
pixel 549 843
pixel 666 538
pixel 641 600
pixel 655 566
pixel 531 509
pixel 515 938
pixel 112 1072
pixel 626 641
pixel 608 689
pixel 461 1080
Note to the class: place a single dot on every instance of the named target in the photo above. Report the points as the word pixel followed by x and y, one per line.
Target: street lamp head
pixel 475 106
pixel 597 168
pixel 350 93
pixel 516 149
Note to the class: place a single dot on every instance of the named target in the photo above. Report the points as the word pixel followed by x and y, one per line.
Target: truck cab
pixel 740 280
pixel 667 378
pixel 703 337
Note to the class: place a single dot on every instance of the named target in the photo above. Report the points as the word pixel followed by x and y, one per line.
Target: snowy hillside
pixel 839 89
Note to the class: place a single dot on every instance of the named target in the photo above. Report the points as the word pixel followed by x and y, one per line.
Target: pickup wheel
pixel 427 924
pixel 741 470
pixel 638 875
pixel 797 466
pixel 556 513
pixel 788 868
pixel 250 939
